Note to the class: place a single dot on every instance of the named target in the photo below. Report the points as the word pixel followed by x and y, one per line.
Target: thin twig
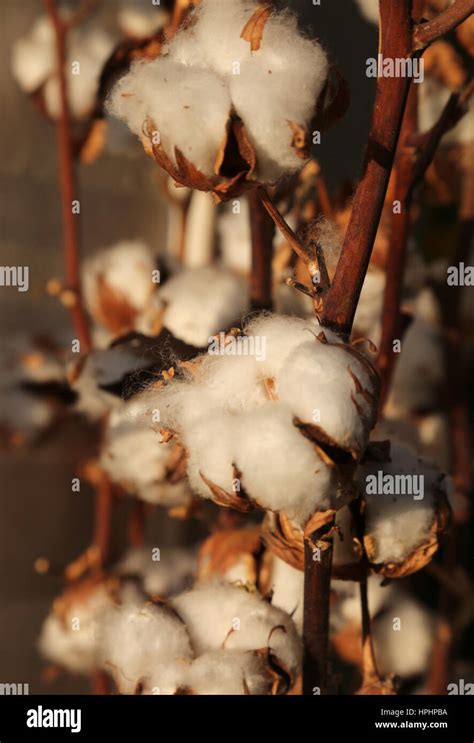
pixel 68 186
pixel 390 100
pixel 283 226
pixel 426 33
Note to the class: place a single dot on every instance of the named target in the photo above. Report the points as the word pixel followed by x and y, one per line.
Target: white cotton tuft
pixel 33 56
pixel 403 637
pixel 347 610
pixel 203 302
pixel 235 241
pixel 71 638
pixel 328 387
pixel 369 9
pixel 141 22
pixel 367 320
pixel 286 586
pixel 229 672
pixel 162 577
pixel 146 649
pixel 280 468
pixel 137 458
pixel 222 616
pixel 213 462
pixel 189 108
pixel 282 336
pixel 397 523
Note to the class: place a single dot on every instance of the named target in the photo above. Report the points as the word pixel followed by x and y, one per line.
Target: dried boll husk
pixel 402 534
pixel 70 633
pixel 141 461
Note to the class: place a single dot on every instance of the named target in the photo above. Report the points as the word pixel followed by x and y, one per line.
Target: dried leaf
pixel 227 547
pixel 94 144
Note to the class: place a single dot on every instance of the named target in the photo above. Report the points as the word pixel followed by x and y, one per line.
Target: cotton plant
pixel 244 81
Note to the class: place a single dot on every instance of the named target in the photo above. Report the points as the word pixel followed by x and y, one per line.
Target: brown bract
pixel 226 548
pixel 234 166
pixel 421 556
pixel 255 26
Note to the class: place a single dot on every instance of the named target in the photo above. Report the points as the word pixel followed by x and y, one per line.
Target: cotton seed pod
pixel 224 51
pixel 335 385
pixel 222 616
pixel 70 633
pixel 236 672
pixel 408 514
pixel 146 648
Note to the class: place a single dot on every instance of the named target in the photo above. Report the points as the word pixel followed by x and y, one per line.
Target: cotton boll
pixel 347 607
pixel 403 637
pixel 141 22
pixel 286 587
pixel 33 56
pixel 419 371
pixel 70 633
pixel 225 672
pixel 221 616
pixel 234 238
pixel 179 100
pixel 369 9
pixel 328 387
pixel 145 648
pixel 280 469
pixel 432 99
pixel 232 384
pixel 23 416
pixel 282 336
pixel 170 574
pixel 397 525
pixel 119 281
pixel 203 302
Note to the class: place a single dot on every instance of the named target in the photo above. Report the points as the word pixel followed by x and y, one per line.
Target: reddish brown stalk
pixel 68 187
pixel 390 100
pixel 136 524
pixel 262 230
pixel 400 229
pixel 425 33
pixel 318 551
pixel 84 9
pixel 103 519
pixel 410 171
pixel 100 683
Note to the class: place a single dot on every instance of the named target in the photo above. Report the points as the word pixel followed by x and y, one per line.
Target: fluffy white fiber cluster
pixel 398 524
pixel 34 66
pixel 208 640
pixel 137 458
pixel 197 303
pixel 369 9
pixel 208 72
pixel 236 415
